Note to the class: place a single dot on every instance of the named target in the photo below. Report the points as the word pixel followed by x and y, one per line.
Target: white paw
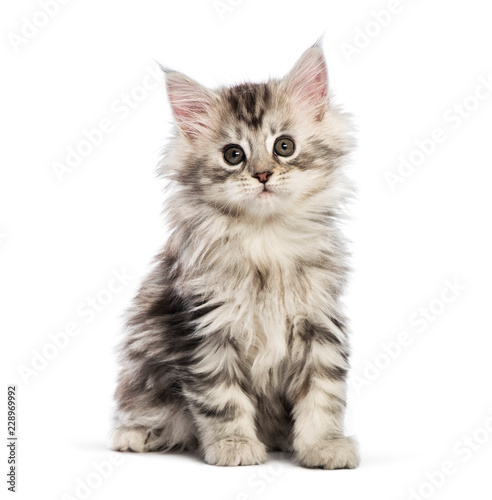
pixel 130 439
pixel 235 451
pixel 341 453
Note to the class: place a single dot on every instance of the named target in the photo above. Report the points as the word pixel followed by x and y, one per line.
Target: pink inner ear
pixel 185 109
pixel 308 81
pixel 190 103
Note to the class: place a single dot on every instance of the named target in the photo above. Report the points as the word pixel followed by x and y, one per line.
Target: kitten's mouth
pixel 266 192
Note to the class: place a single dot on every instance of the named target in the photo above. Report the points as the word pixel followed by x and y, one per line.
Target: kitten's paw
pixel 235 450
pixel 341 453
pixel 130 439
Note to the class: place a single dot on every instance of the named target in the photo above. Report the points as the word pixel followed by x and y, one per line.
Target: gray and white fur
pixel 236 342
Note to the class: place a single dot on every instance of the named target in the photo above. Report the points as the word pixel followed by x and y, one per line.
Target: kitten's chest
pixel 272 283
pixel 258 283
pixel 269 277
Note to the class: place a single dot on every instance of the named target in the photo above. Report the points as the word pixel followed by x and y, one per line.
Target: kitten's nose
pixel 263 176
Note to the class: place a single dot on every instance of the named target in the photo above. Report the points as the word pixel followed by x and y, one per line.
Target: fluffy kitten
pixel 236 342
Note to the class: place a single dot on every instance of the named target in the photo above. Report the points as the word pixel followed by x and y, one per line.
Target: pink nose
pixel 263 176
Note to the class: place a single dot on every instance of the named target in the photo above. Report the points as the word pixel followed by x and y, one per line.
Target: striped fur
pixel 236 341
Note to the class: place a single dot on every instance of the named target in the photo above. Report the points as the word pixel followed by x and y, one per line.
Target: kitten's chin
pixel 267 197
pixel 260 203
pixel 267 202
pixel 267 194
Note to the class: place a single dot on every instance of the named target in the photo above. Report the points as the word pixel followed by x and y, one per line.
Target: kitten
pixel 237 343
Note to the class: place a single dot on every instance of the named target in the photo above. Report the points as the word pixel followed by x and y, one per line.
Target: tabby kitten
pixel 236 342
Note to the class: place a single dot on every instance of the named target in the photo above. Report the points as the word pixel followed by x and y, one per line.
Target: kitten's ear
pixel 191 103
pixel 307 82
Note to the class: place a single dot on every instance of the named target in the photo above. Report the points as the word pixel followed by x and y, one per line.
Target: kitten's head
pixel 258 149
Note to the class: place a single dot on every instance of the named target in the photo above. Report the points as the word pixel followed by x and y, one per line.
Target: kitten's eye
pixel 284 146
pixel 233 154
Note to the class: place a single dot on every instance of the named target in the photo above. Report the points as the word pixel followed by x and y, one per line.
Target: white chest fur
pixel 262 279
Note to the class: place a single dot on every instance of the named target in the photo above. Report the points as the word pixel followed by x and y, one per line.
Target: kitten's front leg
pixel 223 411
pixel 318 392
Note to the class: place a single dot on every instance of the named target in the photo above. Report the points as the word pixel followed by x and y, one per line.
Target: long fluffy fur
pixel 236 340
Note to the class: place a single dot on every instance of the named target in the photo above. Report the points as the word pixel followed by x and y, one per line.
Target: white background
pixel 61 240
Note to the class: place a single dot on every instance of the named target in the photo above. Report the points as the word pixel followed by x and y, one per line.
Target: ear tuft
pixel 307 82
pixel 191 103
pixel 163 68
